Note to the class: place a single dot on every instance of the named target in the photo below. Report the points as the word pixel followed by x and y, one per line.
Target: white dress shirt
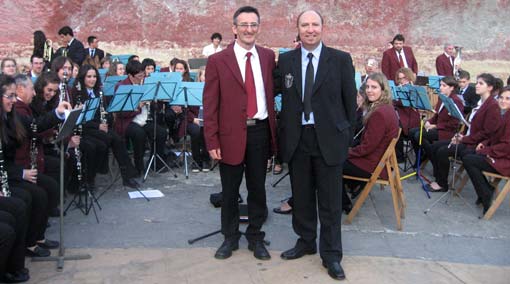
pixel 240 54
pixel 304 63
pixel 209 49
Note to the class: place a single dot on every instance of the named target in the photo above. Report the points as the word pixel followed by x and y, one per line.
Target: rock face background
pixel 163 29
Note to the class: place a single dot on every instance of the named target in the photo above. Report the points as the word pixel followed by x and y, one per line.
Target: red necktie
pixel 249 85
pixel 400 60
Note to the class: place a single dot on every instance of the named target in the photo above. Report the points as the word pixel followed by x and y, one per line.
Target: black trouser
pixel 51 187
pixel 52 167
pixel 95 156
pixel 428 137
pixel 313 180
pixel 17 211
pixel 254 169
pixel 7 239
pixel 352 170
pixel 37 200
pixel 441 151
pixel 475 164
pixel 139 135
pixel 119 150
pixel 198 149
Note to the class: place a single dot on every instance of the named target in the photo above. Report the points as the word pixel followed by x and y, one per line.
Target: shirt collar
pixel 316 52
pixel 447 55
pixel 241 52
pixel 71 41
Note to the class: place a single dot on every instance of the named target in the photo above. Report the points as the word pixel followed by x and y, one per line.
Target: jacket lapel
pixel 323 69
pixel 296 71
pixel 231 62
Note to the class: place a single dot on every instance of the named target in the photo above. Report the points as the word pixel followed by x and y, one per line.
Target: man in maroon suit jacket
pixel 445 61
pixel 239 127
pixel 397 57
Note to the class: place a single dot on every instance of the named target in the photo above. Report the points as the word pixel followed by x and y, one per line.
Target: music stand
pixel 162 89
pixel 454 111
pixel 126 99
pixel 65 131
pixel 188 94
pixel 434 82
pixel 109 84
pixel 123 58
pixel 87 114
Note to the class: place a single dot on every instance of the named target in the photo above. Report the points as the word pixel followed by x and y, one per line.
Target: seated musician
pixel 485 120
pixel 149 65
pixel 441 126
pixel 380 126
pixel 408 117
pixel 106 62
pixel 137 125
pixel 9 67
pixel 23 182
pixel 97 131
pixel 117 68
pixel 492 155
pixel 175 117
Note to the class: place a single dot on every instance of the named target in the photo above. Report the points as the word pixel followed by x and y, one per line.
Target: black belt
pixel 308 126
pixel 253 122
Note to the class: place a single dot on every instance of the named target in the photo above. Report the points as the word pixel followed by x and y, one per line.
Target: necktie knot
pixel 248 55
pixel 310 56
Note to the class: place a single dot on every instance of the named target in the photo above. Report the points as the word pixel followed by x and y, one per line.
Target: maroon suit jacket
pixel 485 123
pixel 390 65
pixel 192 113
pixel 446 125
pixel 23 152
pixel 443 65
pixel 409 117
pixel 381 127
pixel 497 147
pixel 225 102
pixel 164 69
pixel 123 119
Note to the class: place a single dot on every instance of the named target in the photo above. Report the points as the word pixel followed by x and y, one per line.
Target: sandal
pixel 431 189
pixel 278 169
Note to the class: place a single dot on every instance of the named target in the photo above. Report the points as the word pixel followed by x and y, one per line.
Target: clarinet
pixel 77 152
pixel 102 111
pixel 3 175
pixel 33 146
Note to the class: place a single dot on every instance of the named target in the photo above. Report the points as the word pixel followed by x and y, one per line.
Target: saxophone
pixel 33 146
pixel 3 175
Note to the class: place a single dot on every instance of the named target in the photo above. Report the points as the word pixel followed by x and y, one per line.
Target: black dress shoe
pixel 335 270
pixel 37 252
pixel 48 244
pixel 259 250
pixel 226 248
pixel 297 252
pixel 130 182
pixel 16 277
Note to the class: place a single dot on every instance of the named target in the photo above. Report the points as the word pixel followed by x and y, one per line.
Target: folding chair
pixel 500 196
pixel 388 160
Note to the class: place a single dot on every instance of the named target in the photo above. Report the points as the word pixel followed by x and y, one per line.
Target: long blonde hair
pixel 384 99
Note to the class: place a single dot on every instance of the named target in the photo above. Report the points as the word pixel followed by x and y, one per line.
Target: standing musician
pixel 71 47
pixel 398 56
pixel 93 55
pixel 441 126
pixel 445 61
pixel 97 129
pixel 485 121
pixel 137 125
pixel 318 117
pixel 239 127
pixel 43 48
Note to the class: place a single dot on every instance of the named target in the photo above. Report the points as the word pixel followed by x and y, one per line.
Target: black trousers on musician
pixel 352 170
pixel 198 149
pixel 441 151
pixel 95 157
pixel 254 169
pixel 37 203
pixel 7 239
pixel 139 136
pixel 13 212
pixel 316 184
pixel 475 164
pixel 119 150
pixel 428 138
pixel 51 186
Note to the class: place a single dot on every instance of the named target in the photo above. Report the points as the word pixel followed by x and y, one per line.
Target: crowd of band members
pixel 484 146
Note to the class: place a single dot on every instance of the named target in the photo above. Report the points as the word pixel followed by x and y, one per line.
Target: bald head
pixel 307 12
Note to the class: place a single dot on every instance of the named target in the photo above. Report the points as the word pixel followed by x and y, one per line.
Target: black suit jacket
pixel 333 103
pixel 98 52
pixel 76 52
pixel 470 98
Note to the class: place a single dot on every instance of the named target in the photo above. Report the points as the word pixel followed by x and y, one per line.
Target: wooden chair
pixel 500 196
pixel 389 159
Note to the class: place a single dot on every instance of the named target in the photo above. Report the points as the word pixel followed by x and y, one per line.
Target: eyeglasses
pixel 245 26
pixel 10 97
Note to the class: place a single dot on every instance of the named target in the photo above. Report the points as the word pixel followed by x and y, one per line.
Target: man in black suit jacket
pixel 467 92
pixel 93 49
pixel 74 48
pixel 318 113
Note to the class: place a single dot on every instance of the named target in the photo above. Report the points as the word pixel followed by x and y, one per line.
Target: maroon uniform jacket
pixel 485 123
pixel 446 125
pixel 23 152
pixel 443 65
pixel 390 64
pixel 381 127
pixel 225 103
pixel 123 119
pixel 497 147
